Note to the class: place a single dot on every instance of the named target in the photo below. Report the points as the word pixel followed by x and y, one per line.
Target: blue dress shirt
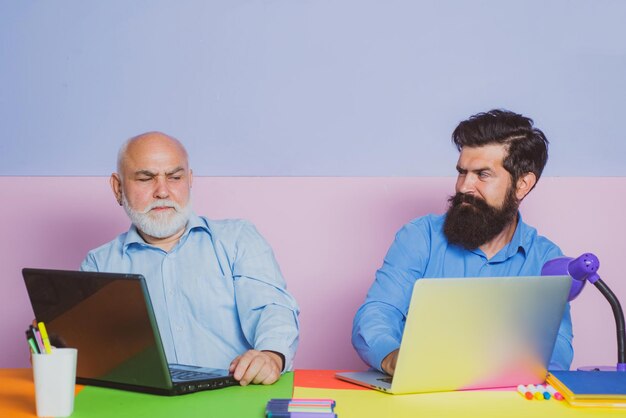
pixel 218 293
pixel 421 249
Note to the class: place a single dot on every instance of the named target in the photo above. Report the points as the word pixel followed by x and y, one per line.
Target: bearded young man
pixel 219 298
pixel 482 234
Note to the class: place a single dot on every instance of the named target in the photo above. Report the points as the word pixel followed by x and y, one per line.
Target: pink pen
pixel 39 341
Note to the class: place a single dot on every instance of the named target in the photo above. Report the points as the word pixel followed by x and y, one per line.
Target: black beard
pixel 476 223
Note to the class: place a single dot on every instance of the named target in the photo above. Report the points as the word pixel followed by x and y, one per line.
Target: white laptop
pixel 475 333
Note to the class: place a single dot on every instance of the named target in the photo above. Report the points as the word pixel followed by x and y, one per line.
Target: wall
pixel 343 108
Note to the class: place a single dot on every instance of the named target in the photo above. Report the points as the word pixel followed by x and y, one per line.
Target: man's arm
pixel 563 353
pixel 379 322
pixel 88 264
pixel 377 332
pixel 268 314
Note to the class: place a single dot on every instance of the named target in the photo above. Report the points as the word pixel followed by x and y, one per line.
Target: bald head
pixel 149 142
pixel 153 183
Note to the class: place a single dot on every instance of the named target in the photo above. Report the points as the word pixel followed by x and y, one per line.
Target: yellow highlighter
pixel 44 337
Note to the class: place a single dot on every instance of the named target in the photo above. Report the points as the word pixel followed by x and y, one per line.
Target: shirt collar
pixel 518 242
pixel 520 237
pixel 133 236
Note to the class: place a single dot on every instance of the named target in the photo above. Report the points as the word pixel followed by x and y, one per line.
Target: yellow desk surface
pixel 17 400
pixel 356 402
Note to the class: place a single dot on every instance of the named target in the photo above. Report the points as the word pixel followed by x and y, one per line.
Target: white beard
pixel 159 225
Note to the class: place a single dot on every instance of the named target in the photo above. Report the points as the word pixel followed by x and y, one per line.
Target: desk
pixel 356 402
pixel 17 400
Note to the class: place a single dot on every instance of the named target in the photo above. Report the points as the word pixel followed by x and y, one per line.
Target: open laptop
pixel 475 333
pixel 108 317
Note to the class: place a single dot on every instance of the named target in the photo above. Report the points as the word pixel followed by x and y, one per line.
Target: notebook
pixel 475 333
pixel 108 317
pixel 590 388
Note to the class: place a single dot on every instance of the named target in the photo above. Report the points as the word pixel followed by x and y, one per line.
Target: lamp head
pixel 581 269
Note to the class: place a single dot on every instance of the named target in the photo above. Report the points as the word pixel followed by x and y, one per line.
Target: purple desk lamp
pixel 582 269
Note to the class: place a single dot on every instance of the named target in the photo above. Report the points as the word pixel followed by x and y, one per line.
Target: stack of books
pixel 591 388
pixel 300 408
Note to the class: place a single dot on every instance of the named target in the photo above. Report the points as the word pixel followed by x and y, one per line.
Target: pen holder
pixel 55 380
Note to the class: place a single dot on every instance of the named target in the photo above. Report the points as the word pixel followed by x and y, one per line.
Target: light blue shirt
pixel 421 249
pixel 218 293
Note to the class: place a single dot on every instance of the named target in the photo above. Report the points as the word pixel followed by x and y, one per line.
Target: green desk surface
pixel 235 401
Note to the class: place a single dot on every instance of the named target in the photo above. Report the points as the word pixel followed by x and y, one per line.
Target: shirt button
pixel 179 329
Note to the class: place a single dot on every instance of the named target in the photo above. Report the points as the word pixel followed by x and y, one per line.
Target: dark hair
pixel 527 147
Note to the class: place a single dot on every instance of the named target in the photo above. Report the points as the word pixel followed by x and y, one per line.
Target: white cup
pixel 55 380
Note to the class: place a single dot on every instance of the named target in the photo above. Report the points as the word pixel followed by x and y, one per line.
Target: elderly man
pixel 218 294
pixel 482 234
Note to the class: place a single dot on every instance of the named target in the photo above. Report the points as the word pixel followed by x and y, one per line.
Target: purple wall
pixel 307 88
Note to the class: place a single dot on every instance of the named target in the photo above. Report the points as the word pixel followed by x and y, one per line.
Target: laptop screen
pixel 107 317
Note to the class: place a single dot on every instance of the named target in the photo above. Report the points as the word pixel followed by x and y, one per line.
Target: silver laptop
pixel 108 317
pixel 475 333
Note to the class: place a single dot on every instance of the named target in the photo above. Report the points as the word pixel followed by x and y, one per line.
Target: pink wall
pixel 329 235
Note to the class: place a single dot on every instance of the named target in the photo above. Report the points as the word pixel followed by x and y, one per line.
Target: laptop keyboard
pixel 182 375
pixel 385 379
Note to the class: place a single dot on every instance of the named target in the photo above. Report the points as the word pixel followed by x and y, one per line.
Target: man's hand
pixel 259 367
pixel 389 363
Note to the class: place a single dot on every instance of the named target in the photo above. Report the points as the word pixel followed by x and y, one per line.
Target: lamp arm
pixel 619 321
